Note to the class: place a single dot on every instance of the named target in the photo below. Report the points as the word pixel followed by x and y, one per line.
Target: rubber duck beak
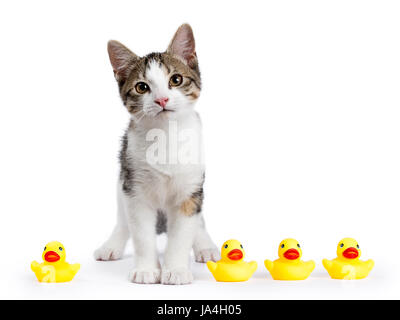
pixel 235 254
pixel 350 253
pixel 291 254
pixel 51 256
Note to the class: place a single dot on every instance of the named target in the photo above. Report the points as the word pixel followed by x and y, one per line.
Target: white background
pixel 301 112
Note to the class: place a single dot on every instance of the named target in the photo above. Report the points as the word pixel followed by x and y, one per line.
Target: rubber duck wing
pixel 35 266
pixel 269 265
pixel 212 266
pixel 310 265
pixel 327 264
pixel 75 267
pixel 370 264
pixel 253 266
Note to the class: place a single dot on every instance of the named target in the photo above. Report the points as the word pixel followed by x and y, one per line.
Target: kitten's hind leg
pixel 203 247
pixel 113 248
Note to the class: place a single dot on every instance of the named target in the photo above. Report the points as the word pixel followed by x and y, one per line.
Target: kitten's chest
pixel 173 148
pixel 174 188
pixel 169 159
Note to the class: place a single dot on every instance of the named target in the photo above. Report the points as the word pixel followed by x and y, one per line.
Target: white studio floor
pixel 108 280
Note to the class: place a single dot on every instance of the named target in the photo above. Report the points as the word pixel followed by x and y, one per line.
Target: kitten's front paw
pixel 176 276
pixel 205 255
pixel 145 276
pixel 105 253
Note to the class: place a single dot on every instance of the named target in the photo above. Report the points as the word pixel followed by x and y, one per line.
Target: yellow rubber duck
pixel 54 268
pixel 289 266
pixel 347 265
pixel 231 267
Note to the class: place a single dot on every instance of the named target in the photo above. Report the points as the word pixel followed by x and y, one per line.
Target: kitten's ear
pixel 121 59
pixel 183 46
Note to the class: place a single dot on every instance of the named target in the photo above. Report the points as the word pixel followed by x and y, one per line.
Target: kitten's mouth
pixel 164 111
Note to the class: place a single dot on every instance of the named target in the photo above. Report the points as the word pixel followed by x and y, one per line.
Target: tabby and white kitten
pixel 158 90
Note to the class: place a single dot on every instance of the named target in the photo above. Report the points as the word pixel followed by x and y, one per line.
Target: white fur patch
pixel 158 81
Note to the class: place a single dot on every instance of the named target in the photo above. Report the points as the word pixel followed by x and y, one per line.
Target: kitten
pixel 160 91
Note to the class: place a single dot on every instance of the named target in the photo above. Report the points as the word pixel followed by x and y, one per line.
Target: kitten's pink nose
pixel 162 101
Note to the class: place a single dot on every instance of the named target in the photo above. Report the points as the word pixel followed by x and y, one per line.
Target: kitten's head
pixel 158 84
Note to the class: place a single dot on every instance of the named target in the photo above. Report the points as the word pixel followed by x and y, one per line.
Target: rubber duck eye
pixel 298 245
pixel 241 246
pixel 341 245
pixel 226 246
pixel 282 246
pixel 44 248
pixel 61 249
pixel 358 247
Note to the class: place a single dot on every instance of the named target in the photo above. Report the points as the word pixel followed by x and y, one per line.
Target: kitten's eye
pixel 282 246
pixel 61 249
pixel 226 246
pixel 298 245
pixel 141 87
pixel 175 80
pixel 341 245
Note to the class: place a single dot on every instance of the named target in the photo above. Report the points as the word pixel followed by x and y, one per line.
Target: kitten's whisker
pixel 141 114
pixel 141 117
